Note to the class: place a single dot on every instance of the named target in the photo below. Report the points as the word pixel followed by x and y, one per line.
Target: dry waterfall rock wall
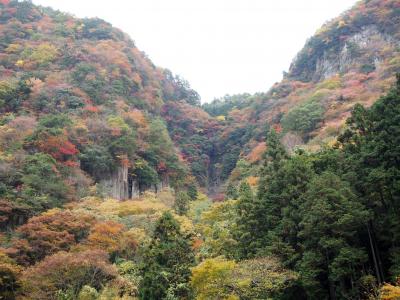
pixel 120 185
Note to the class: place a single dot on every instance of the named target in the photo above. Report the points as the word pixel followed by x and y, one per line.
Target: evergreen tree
pixel 167 262
pixel 331 220
pixel 246 227
pixel 181 205
pixel 283 201
pixel 192 191
pixel 372 149
pixel 231 191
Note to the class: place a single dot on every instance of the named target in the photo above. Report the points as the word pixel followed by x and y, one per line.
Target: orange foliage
pixel 124 160
pixel 91 108
pixel 67 271
pixel 48 233
pixel 257 152
pixel 252 181
pixel 137 117
pixel 106 236
pixel 197 243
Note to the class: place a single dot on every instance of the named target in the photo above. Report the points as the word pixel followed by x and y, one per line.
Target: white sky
pixel 220 46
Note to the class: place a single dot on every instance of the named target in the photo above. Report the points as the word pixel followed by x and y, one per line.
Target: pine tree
pixel 331 217
pixel 246 227
pixel 167 262
pixel 192 191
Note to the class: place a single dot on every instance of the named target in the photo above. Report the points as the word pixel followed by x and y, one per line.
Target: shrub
pixel 67 272
pixel 303 118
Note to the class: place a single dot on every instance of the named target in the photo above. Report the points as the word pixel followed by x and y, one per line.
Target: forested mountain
pixel 351 59
pixel 108 164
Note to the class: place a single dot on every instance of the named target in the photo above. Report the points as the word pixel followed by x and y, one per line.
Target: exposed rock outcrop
pixel 116 185
pixel 120 185
pixel 369 40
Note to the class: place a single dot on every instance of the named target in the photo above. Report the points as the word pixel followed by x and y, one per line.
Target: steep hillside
pixel 351 59
pixel 102 155
pixel 81 104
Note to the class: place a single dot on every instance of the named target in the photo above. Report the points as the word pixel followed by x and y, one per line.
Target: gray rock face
pixel 135 191
pixel 116 186
pixel 119 186
pixel 369 40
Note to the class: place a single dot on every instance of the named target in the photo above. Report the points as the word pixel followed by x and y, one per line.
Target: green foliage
pixel 43 54
pixel 246 226
pixel 146 175
pixel 231 191
pixel 331 217
pixel 304 118
pixel 210 279
pixel 54 122
pixel 181 90
pixel 217 226
pixel 192 191
pixel 96 160
pixel 181 203
pixel 327 214
pixel 88 293
pixel 167 262
pixel 96 29
pixel 86 77
pixel 12 94
pixel 43 187
pixel 222 107
pixel 218 278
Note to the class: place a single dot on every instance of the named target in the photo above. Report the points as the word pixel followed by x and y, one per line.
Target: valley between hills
pixel 116 182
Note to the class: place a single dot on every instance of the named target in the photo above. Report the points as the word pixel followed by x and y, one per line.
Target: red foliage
pixel 162 167
pixel 218 197
pixel 49 233
pixel 67 148
pixel 57 146
pixel 277 127
pixel 91 108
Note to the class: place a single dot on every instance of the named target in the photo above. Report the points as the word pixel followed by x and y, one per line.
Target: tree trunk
pixel 375 258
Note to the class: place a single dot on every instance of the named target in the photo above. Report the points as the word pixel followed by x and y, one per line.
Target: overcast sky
pixel 220 46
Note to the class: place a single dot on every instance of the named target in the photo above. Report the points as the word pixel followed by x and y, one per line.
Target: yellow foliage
pixel 13 48
pixel 44 53
pixel 330 83
pixel 130 207
pixel 389 292
pixel 210 276
pixel 341 24
pixel 185 223
pixel 166 197
pixel 20 63
pixel 112 208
